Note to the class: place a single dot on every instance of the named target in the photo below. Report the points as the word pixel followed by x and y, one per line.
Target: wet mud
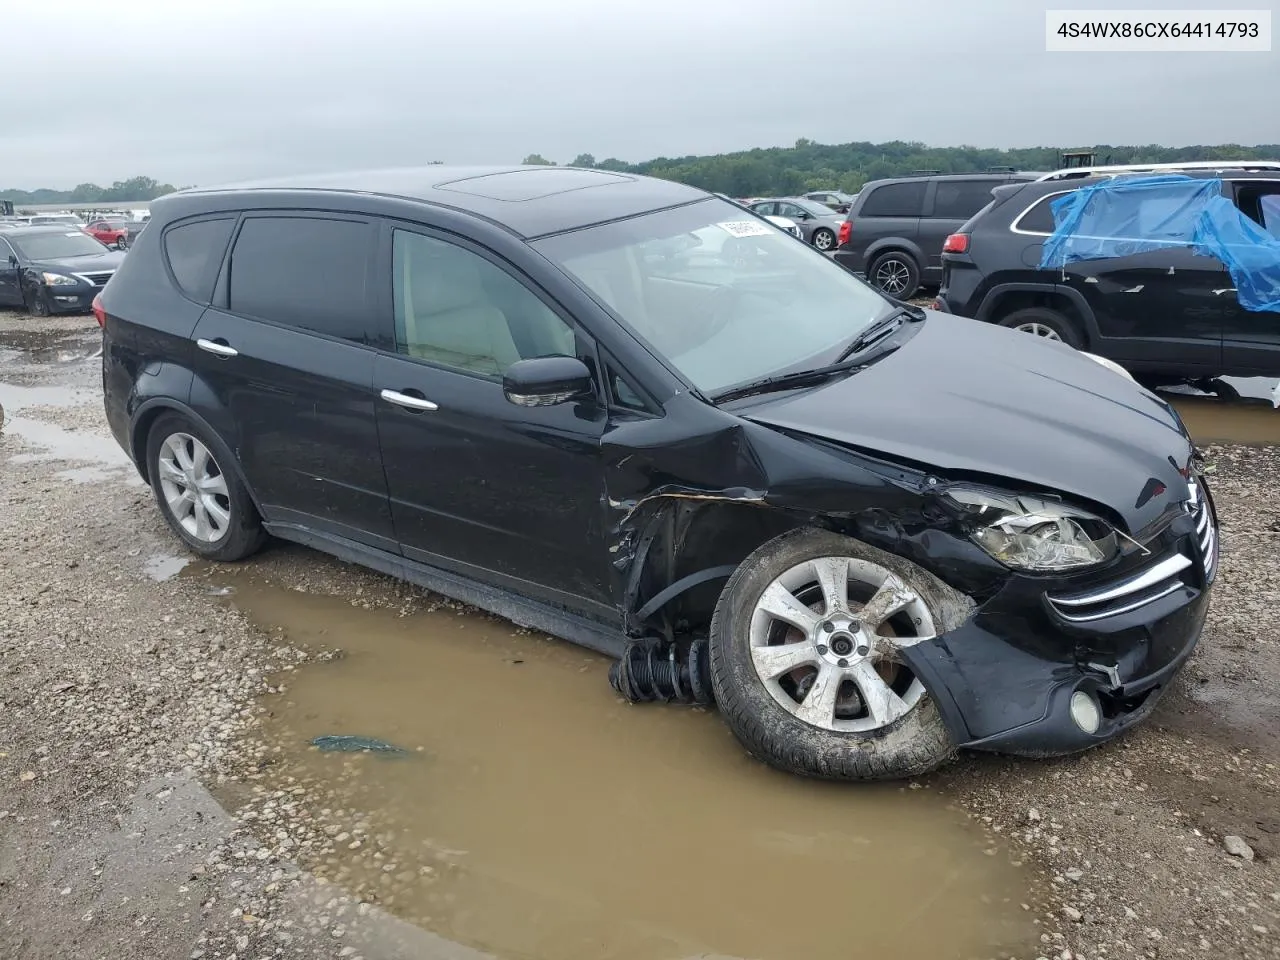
pixel 534 815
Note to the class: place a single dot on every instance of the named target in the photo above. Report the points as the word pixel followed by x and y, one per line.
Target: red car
pixel 114 233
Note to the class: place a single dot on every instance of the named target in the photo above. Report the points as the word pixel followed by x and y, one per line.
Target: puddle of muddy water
pixel 536 816
pixel 1249 417
pixel 163 567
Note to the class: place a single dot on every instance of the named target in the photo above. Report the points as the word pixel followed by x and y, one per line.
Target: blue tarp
pixel 1130 215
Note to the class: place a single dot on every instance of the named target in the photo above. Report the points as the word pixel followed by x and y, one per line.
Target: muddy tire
pixel 36 304
pixel 852 730
pixel 199 491
pixel 1045 323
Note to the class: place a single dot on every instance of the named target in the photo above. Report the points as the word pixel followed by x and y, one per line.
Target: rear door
pixel 284 370
pixel 1160 310
pixel 498 492
pixel 953 203
pixel 1251 338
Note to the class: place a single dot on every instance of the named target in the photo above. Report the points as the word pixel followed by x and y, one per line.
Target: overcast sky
pixel 201 91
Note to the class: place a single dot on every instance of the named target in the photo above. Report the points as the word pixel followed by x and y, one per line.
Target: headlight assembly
pixel 1032 533
pixel 58 280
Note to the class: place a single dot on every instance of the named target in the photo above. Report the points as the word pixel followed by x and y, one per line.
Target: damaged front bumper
pixel 1004 679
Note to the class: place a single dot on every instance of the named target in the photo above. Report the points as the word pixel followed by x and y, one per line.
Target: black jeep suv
pixel 1165 313
pixel 894 230
pixel 641 418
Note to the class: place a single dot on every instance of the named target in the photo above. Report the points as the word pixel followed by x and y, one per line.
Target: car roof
pixel 36 229
pixel 531 201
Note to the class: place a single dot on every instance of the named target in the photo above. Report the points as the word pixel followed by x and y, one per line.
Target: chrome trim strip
pixel 1148 578
pixel 1116 611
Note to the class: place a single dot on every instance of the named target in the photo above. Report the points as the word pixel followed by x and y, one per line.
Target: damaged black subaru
pixel 638 417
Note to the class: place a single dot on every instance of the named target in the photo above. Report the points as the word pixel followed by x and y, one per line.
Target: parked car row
pixel 646 421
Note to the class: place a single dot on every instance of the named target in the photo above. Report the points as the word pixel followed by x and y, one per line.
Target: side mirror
pixel 546 381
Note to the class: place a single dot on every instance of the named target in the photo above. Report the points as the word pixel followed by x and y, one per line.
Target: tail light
pixel 956 243
pixel 98 313
pixel 846 229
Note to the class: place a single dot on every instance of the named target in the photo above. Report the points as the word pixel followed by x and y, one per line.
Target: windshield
pixel 724 297
pixel 58 246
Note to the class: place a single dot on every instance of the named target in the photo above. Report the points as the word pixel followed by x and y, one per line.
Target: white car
pixel 783 223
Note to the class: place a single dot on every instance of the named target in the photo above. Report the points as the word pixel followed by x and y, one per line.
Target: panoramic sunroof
pixel 530 184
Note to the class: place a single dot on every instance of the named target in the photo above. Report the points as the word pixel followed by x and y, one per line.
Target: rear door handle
pixel 407 401
pixel 218 347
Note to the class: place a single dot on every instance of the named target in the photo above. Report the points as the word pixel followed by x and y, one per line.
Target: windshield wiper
pixel 847 361
pixel 881 328
pixel 787 381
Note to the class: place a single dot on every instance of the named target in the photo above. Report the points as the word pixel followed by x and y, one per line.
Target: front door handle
pixel 408 401
pixel 218 347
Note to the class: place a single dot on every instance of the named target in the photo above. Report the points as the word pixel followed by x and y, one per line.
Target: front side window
pixel 304 272
pixel 961 199
pixel 455 308
pixel 895 200
pixel 724 299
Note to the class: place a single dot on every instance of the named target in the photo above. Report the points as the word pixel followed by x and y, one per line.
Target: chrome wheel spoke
pixel 213 486
pixel 171 471
pixel 878 697
pixel 833 577
pixel 892 597
pixel 773 662
pixel 199 460
pixel 218 516
pixel 780 603
pixel 201 518
pixel 819 705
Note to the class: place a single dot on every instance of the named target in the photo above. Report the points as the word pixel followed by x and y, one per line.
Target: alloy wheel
pixel 823 240
pixel 892 276
pixel 194 487
pixel 1039 330
pixel 825 639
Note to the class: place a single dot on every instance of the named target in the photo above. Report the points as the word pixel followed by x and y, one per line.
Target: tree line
pixel 847 166
pixel 133 190
pixel 773 170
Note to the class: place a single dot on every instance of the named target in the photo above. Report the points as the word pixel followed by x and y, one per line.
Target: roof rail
pixel 1071 173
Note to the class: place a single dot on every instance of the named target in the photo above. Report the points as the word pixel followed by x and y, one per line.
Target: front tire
pixel 37 304
pixel 824 239
pixel 804 662
pixel 198 491
pixel 896 274
pixel 122 243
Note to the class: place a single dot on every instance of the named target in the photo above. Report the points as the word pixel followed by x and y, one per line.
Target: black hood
pixel 967 397
pixel 96 263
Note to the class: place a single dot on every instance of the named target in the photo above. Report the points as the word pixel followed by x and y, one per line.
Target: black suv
pixel 641 418
pixel 894 230
pixel 1166 313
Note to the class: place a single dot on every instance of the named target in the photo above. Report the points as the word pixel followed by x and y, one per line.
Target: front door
pixel 10 288
pixel 501 493
pixel 284 372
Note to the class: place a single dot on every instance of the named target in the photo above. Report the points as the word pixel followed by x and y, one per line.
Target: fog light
pixel 1085 712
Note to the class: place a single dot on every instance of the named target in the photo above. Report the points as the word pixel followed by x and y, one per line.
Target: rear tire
pixel 122 243
pixel 1046 323
pixel 199 492
pixel 876 721
pixel 896 274
pixel 824 239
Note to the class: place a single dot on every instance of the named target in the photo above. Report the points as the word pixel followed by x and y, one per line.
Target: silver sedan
pixel 819 224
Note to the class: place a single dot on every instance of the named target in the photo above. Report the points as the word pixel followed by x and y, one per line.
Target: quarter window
pixel 304 272
pixel 194 252
pixel 1039 219
pixel 455 308
pixel 895 200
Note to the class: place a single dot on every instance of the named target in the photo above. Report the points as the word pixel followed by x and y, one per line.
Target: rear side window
pixel 1039 219
pixel 961 199
pixel 194 252
pixel 895 200
pixel 303 272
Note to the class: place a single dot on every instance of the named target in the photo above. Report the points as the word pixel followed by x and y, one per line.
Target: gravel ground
pixel 123 698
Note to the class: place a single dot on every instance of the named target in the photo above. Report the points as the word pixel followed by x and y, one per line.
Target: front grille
pixel 1152 583
pixel 98 279
pixel 1123 596
pixel 1206 529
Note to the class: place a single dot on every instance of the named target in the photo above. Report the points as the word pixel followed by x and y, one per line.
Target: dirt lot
pixel 158 798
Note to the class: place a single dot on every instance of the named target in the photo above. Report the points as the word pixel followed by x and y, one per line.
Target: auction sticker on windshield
pixel 746 228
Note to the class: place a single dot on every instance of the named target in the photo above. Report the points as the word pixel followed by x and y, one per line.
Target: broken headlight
pixel 1033 533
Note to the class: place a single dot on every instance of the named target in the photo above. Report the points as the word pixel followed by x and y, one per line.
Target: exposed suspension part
pixel 653 669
